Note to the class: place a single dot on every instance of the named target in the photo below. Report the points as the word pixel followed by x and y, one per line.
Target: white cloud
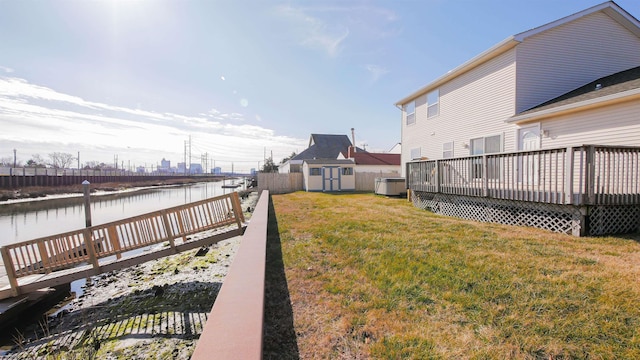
pixel 327 28
pixel 376 71
pixel 6 69
pixel 315 32
pixel 43 120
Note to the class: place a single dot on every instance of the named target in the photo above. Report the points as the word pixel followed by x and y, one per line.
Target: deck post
pixel 590 174
pixel 485 176
pixel 44 256
pixel 237 209
pixel 568 177
pixel 437 176
pixel 167 226
pixel 11 271
pixel 91 250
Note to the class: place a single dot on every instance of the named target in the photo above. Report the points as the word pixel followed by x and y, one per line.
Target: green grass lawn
pixel 374 277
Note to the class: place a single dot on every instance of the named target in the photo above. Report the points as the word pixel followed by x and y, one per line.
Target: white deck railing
pixel 579 175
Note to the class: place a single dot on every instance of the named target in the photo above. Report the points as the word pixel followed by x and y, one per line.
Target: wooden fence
pixel 67 250
pixel 366 181
pixel 278 183
pixel 286 183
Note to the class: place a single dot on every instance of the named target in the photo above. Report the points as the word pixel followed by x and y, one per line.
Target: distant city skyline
pixel 135 79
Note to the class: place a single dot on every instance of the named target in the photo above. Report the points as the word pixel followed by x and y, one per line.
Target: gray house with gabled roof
pixel 321 146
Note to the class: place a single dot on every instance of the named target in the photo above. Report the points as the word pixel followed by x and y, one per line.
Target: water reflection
pixel 31 220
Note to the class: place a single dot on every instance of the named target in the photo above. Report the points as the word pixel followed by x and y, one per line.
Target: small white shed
pixel 328 175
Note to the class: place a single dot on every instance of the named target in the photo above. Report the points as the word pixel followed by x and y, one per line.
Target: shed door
pixel 529 140
pixel 331 178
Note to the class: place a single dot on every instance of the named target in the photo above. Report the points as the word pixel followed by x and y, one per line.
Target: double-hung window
pixel 433 103
pixel 447 150
pixel 415 153
pixel 410 113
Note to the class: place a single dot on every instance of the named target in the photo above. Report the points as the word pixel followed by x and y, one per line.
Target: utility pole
pixel 78 160
pixel 14 157
pixel 185 157
pixel 189 154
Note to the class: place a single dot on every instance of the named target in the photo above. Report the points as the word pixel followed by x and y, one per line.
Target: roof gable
pixel 324 146
pixel 610 8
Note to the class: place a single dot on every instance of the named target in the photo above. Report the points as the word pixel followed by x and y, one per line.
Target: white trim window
pixel 410 113
pixel 433 103
pixel 447 150
pixel 485 145
pixel 416 153
pixel 314 171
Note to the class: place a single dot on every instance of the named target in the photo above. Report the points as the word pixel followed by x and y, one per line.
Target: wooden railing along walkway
pixel 62 258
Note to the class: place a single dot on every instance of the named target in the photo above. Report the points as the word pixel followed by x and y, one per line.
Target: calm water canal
pixel 30 220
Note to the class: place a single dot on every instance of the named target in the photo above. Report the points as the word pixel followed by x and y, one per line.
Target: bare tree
pixel 94 165
pixel 8 161
pixel 59 160
pixel 36 161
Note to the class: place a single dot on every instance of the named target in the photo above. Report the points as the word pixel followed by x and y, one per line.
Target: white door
pixel 529 140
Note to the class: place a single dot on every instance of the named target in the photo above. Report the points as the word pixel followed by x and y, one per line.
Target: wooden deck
pixel 582 190
pixel 63 258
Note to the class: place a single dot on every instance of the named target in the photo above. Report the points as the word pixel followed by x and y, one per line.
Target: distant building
pixel 373 162
pixel 217 170
pixel 182 169
pixel 140 169
pixel 321 146
pixel 195 169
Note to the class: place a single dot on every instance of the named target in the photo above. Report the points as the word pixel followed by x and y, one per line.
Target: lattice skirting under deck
pixel 567 219
pixel 619 219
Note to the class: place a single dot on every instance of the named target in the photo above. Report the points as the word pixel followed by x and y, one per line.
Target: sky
pixel 138 81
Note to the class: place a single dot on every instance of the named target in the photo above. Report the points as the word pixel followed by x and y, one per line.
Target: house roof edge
pixel 498 49
pixel 609 7
pixel 577 106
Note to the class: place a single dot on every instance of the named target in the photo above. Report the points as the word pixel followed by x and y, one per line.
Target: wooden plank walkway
pixel 63 258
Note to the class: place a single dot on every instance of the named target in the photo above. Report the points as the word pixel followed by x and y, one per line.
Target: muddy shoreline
pixel 152 310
